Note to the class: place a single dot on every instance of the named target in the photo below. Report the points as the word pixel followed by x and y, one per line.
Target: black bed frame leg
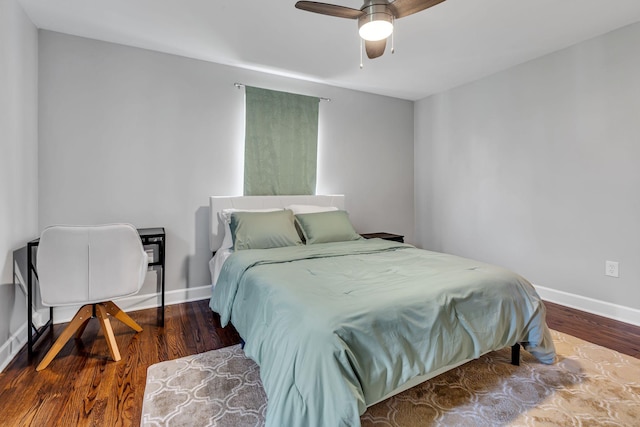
pixel 515 354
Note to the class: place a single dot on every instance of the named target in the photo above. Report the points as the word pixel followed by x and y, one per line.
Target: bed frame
pixel 217 203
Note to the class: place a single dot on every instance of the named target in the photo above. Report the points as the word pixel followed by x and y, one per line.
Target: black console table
pixel 385 236
pixel 156 237
pixel 149 236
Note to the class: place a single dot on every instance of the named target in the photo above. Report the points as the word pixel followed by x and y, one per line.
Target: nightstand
pixel 385 236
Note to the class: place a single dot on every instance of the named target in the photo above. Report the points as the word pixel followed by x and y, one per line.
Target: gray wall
pixel 18 164
pixel 536 169
pixel 133 135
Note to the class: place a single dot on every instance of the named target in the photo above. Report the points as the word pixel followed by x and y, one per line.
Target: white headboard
pixel 217 203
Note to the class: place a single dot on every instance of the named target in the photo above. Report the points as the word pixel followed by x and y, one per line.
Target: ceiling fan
pixel 375 18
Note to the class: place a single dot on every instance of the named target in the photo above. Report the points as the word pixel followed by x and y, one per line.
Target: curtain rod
pixel 239 85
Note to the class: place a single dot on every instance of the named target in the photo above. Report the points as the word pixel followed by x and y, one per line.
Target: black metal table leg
pixel 515 354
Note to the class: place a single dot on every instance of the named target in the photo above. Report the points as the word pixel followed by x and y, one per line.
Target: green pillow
pixel 263 230
pixel 325 227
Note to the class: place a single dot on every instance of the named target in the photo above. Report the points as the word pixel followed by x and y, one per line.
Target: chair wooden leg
pixel 116 312
pixel 82 327
pixel 84 314
pixel 101 314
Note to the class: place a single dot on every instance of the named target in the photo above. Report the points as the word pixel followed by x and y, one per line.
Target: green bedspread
pixel 336 326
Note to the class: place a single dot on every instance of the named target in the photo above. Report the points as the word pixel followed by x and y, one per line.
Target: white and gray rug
pixel 219 388
pixel 589 385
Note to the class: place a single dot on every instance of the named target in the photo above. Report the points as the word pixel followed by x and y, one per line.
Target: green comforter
pixel 336 326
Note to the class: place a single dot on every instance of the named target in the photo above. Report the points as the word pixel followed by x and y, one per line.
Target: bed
pixel 341 323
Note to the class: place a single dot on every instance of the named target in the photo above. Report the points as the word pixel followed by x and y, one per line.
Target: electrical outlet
pixel 611 269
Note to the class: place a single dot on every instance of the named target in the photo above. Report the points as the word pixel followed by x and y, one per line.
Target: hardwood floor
pixel 622 337
pixel 83 387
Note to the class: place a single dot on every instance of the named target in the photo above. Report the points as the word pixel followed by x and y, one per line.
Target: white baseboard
pixel 12 346
pixel 141 302
pixel 590 305
pixel 136 302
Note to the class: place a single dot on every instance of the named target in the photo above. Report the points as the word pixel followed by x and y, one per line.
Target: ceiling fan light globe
pixel 376 30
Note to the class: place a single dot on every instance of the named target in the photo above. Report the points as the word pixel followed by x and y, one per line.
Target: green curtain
pixel 281 143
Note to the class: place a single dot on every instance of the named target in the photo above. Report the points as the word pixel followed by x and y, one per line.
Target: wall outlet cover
pixel 611 269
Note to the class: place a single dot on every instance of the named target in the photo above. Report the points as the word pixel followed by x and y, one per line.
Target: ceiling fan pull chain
pixel 393 49
pixel 361 64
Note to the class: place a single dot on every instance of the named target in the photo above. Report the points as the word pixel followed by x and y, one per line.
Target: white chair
pixel 90 266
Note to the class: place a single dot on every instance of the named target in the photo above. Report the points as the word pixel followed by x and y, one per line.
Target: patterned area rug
pixel 589 385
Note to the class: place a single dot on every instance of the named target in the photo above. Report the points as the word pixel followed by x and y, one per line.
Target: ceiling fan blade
pixel 329 9
pixel 401 8
pixel 375 49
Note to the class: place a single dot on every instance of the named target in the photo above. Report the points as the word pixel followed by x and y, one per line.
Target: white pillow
pixel 225 217
pixel 305 209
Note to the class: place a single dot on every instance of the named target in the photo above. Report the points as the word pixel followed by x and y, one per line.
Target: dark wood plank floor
pixel 622 337
pixel 82 387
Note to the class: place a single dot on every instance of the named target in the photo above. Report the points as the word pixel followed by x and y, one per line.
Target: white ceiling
pixel 448 45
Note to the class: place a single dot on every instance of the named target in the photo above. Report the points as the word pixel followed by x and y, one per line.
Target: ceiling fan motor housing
pixel 375 11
